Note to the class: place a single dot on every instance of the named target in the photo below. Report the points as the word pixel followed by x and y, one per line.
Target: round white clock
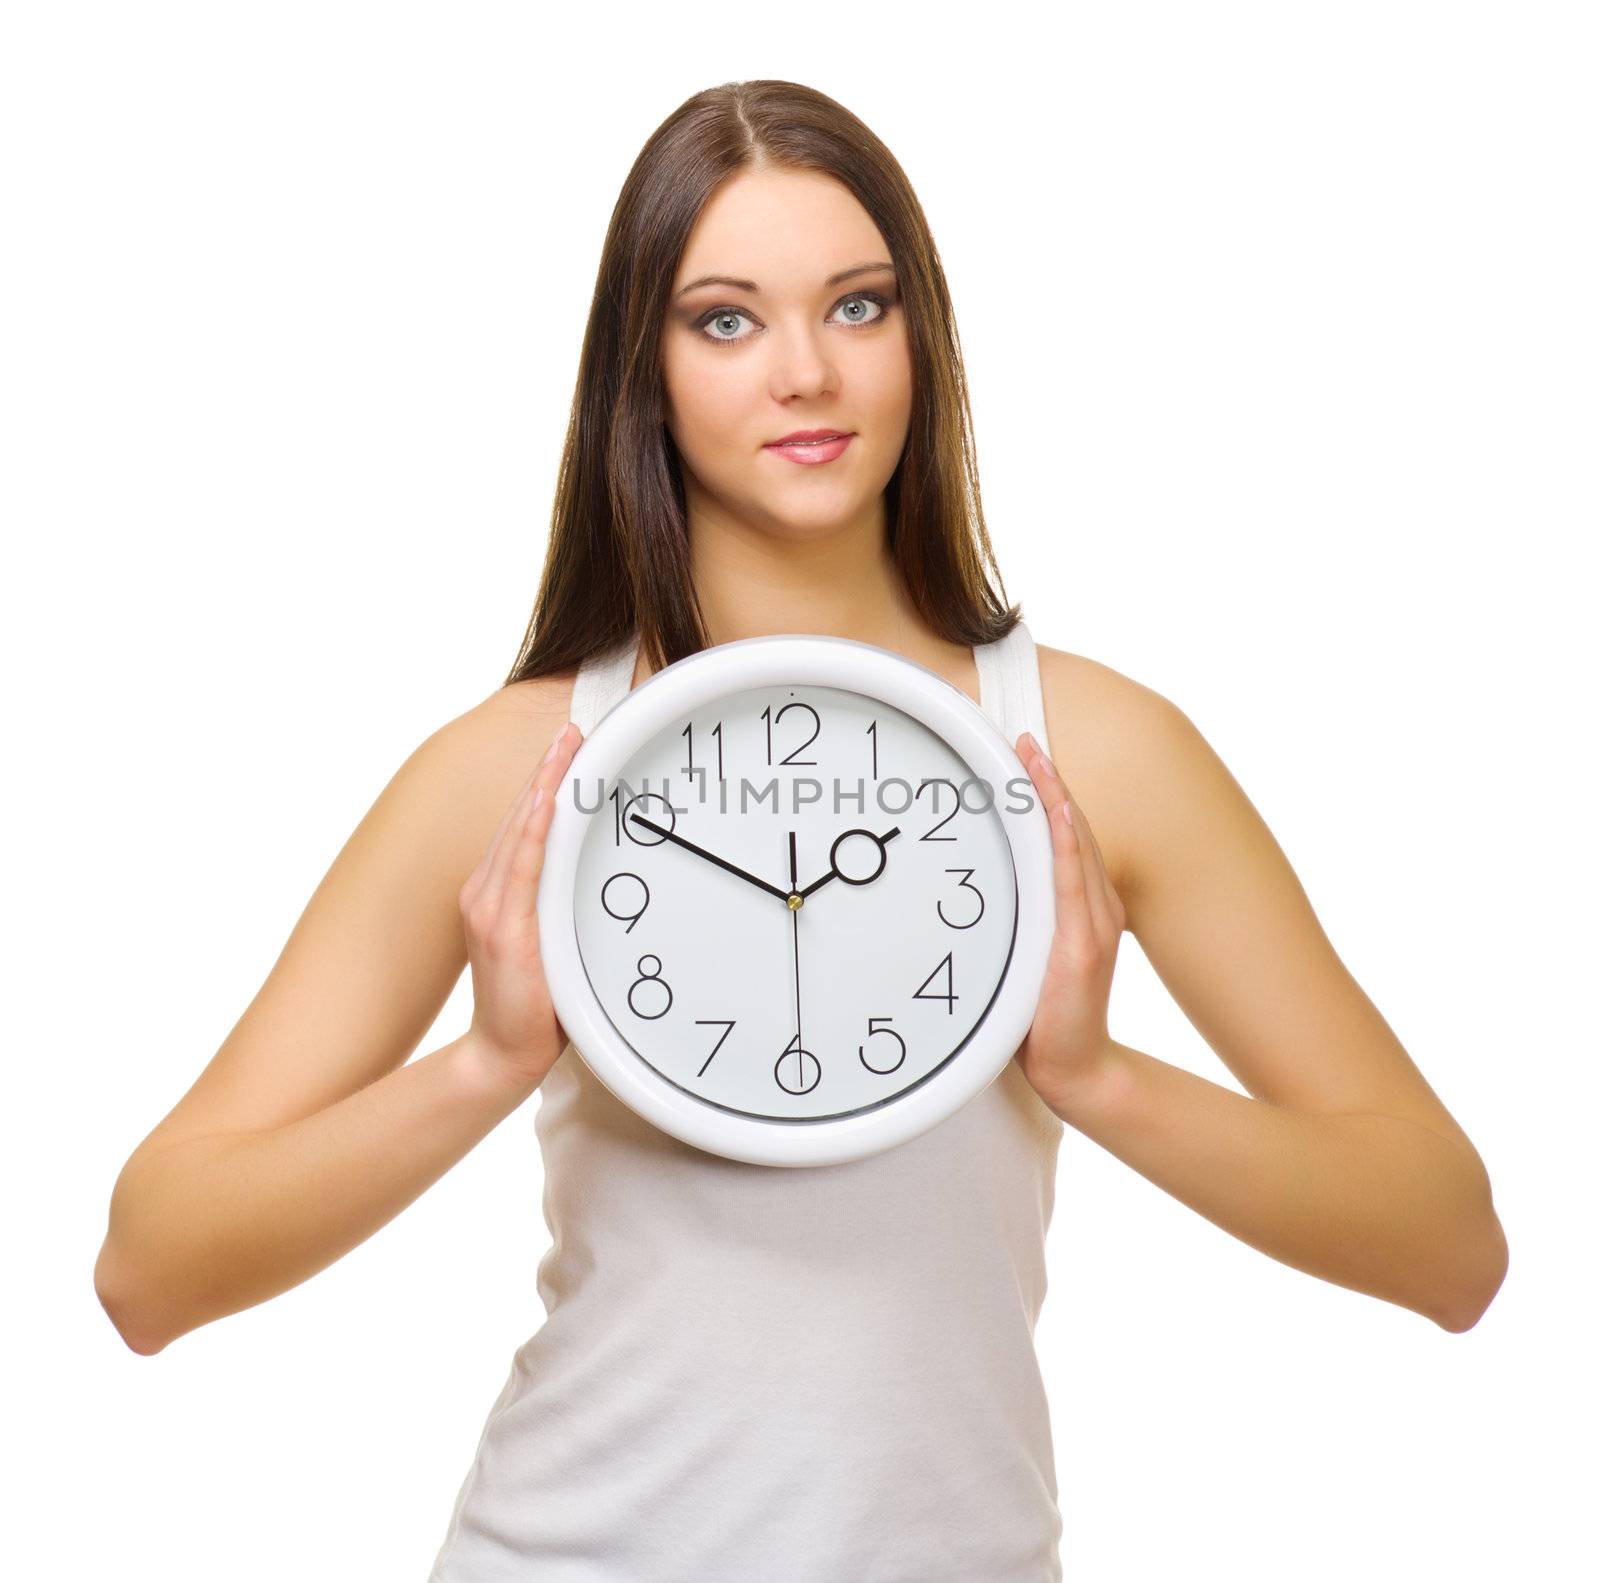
pixel 797 900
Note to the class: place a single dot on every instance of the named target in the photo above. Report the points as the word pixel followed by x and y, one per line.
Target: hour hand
pixel 710 857
pixel 833 858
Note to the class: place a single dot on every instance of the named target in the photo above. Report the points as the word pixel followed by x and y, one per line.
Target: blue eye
pixel 714 315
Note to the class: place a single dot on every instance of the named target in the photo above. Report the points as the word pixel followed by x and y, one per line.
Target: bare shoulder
pixel 511 716
pixel 486 753
pixel 1108 734
pixel 444 804
pixel 379 946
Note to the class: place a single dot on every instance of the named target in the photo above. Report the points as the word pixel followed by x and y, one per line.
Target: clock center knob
pixel 796 901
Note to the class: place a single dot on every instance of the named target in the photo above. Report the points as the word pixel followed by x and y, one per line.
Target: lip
pixel 811 446
pixel 800 436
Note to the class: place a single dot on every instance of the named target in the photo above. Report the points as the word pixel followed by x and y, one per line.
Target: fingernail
pixel 555 747
pixel 1049 768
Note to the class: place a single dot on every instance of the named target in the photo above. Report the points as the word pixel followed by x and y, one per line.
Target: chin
pixel 816 521
pixel 796 513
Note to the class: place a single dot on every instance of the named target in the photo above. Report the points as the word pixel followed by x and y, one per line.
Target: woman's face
pixel 775 345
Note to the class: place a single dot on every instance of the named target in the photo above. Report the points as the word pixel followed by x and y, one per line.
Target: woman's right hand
pixel 513 1020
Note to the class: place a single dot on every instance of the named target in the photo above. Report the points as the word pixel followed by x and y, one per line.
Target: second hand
pixel 794 914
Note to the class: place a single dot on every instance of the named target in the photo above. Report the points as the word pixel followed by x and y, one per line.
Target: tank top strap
pixel 1009 686
pixel 603 680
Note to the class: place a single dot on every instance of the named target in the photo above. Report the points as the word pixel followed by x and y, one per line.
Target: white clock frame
pixel 790 660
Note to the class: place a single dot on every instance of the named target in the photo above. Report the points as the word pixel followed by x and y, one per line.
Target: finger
pixel 1029 749
pixel 1103 902
pixel 1059 804
pixel 1074 923
pixel 493 890
pixel 476 878
pixel 1047 786
pixel 1073 918
pixel 1108 892
pixel 512 816
pixel 527 863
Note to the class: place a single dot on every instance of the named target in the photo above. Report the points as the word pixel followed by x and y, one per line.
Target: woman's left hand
pixel 1069 1041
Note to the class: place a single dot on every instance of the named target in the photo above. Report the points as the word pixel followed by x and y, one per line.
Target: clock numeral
pixel 637 833
pixel 688 733
pixel 726 1024
pixel 800 1074
pixel 949 997
pixel 928 835
pixel 872 731
pixel 966 884
pixel 861 1049
pixel 649 976
pixel 630 918
pixel 789 758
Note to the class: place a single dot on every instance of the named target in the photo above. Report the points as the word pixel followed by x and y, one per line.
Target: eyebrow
pixel 750 285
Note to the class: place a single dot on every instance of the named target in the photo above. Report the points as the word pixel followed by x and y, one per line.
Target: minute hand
pixel 710 857
pixel 833 873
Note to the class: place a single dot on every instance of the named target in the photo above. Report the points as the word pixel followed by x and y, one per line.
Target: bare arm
pixel 1373 1202
pixel 1340 1159
pixel 307 1131
pixel 209 1226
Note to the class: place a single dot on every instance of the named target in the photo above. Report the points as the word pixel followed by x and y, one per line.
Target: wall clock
pixel 797 900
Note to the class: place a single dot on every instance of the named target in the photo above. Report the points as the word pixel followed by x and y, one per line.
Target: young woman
pixel 752 1373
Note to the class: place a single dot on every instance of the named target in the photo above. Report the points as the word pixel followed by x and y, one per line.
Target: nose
pixel 801 365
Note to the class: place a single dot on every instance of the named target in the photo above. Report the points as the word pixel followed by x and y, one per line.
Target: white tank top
pixel 750 1374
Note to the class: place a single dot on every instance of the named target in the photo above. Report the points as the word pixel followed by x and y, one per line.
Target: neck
pixel 841 583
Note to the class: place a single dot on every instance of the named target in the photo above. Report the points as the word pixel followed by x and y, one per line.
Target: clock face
pixel 685 914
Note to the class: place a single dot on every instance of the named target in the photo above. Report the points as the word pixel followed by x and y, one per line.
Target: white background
pixel 1282 329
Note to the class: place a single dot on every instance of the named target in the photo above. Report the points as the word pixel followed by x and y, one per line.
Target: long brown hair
pixel 618 559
